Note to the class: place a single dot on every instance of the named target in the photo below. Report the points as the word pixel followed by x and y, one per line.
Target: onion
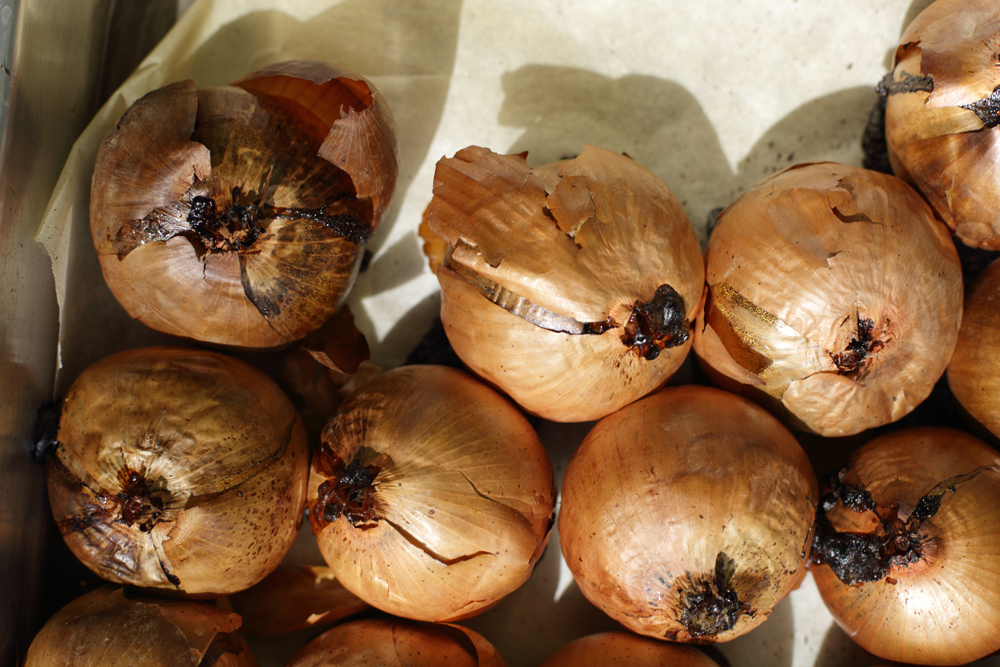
pixel 178 469
pixel 907 552
pixel 625 648
pixel 941 114
pixel 571 287
pixel 688 514
pixel 238 215
pixel 430 495
pixel 847 316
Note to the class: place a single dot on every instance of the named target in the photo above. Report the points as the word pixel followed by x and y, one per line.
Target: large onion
pixel 628 650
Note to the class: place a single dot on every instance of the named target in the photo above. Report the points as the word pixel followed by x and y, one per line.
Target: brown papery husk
pixel 626 648
pixel 584 239
pixel 462 500
pixel 398 643
pixel 947 58
pixel 792 267
pixel 659 489
pixel 217 437
pixel 943 609
pixel 104 628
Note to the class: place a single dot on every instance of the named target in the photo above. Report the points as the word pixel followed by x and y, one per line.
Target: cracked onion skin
pixel 573 286
pixel 927 498
pixel 238 215
pixel 430 495
pixel 627 650
pixel 941 116
pixel 846 317
pixel 178 469
pixel 688 515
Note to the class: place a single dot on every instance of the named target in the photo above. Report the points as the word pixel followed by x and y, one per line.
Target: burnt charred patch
pixel 908 83
pixel 349 491
pixel 657 324
pixel 988 108
pixel 710 605
pixel 856 358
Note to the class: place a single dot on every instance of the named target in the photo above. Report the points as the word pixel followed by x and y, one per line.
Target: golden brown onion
pixel 688 514
pixel 105 629
pixel 941 114
pixel 573 286
pixel 178 469
pixel 238 215
pixel 835 292
pixel 907 551
pixel 397 642
pixel 430 495
pixel 627 650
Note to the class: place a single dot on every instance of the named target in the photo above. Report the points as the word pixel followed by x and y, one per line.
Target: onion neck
pixel 348 491
pixel 709 604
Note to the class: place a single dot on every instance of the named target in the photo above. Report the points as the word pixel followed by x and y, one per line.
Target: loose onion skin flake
pixel 907 549
pixel 846 317
pixel 627 650
pixel 178 469
pixel 688 514
pixel 572 287
pixel 238 215
pixel 431 496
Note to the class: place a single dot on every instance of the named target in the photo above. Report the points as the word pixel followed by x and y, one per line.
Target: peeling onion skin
pixel 398 643
pixel 627 650
pixel 103 628
pixel 302 158
pixel 583 242
pixel 178 469
pixel 943 608
pixel 946 61
pixel 452 496
pixel 847 316
pixel 664 493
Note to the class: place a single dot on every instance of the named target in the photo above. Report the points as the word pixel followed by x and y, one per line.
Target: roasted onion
pixel 571 287
pixel 907 550
pixel 628 650
pixel 178 469
pixel 430 495
pixel 834 296
pixel 238 215
pixel 688 514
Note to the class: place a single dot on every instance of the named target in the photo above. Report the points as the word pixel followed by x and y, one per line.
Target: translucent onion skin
pixel 572 287
pixel 178 469
pixel 834 297
pixel 431 496
pixel 939 605
pixel 105 629
pixel 628 650
pixel 941 115
pixel 238 215
pixel 381 642
pixel 688 514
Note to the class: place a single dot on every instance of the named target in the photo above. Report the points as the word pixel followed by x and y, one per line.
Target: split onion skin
pixel 398 643
pixel 943 608
pixel 847 316
pixel 452 496
pixel 667 494
pixel 302 155
pixel 570 246
pixel 178 469
pixel 626 650
pixel 940 129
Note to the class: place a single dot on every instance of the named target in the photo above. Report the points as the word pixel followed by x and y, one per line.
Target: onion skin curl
pixel 926 501
pixel 627 650
pixel 688 515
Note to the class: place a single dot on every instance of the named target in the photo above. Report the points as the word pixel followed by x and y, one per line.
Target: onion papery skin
pixel 457 503
pixel 664 492
pixel 944 68
pixel 296 162
pixel 626 649
pixel 103 628
pixel 944 607
pixel 581 243
pixel 799 266
pixel 398 642
pixel 178 469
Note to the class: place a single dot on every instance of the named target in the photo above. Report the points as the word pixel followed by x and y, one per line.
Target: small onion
pixel 571 287
pixel 688 514
pixel 430 495
pixel 907 550
pixel 104 628
pixel 628 650
pixel 238 215
pixel 178 469
pixel 846 317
